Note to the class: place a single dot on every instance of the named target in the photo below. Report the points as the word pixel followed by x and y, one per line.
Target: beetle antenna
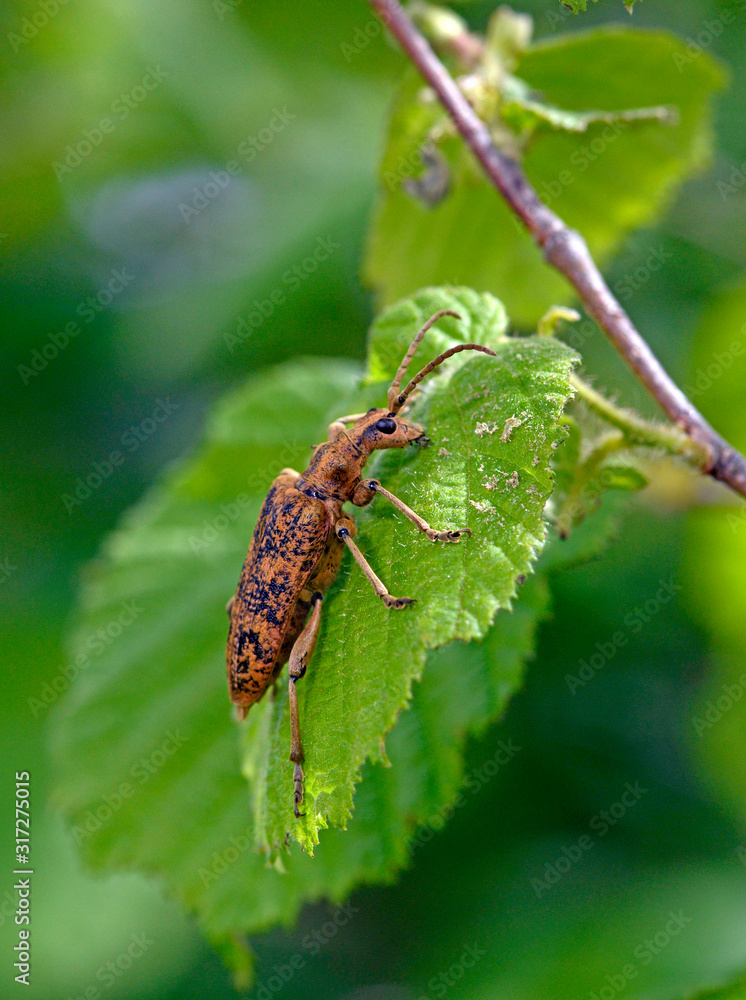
pixel 402 397
pixel 394 390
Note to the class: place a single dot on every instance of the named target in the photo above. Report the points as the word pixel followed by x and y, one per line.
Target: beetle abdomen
pixel 289 539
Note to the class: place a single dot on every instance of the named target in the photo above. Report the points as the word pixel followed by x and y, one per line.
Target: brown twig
pixel 565 249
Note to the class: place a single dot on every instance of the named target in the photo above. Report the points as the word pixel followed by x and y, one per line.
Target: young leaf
pixel 586 471
pixel 604 182
pixel 526 111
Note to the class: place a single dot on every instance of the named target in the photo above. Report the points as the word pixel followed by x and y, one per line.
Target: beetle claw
pixel 298 793
pixel 450 535
pixel 396 602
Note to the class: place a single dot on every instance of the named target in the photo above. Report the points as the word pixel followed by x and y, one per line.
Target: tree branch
pixel 566 250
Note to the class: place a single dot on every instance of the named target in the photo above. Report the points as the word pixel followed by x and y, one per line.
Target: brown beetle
pixel 298 543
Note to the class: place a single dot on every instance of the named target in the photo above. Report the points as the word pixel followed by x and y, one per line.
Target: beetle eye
pixel 386 425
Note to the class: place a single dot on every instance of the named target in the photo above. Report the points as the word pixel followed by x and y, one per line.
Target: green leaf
pixel 493 425
pixel 577 5
pixel 605 182
pixel 733 991
pixel 145 742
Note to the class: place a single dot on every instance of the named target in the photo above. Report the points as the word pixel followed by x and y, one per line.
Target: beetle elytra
pixel 298 542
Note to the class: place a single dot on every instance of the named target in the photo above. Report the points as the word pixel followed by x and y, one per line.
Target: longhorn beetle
pixel 298 543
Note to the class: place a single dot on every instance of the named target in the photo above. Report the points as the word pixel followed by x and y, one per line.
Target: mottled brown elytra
pixel 298 543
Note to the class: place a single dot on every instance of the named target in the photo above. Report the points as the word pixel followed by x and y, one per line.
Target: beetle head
pixel 383 429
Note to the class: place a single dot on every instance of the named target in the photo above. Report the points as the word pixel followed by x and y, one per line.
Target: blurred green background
pixel 114 116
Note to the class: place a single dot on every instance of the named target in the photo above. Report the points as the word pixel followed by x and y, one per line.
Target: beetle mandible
pixel 298 543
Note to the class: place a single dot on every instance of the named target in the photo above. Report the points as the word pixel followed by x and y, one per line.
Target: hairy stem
pixel 638 431
pixel 613 442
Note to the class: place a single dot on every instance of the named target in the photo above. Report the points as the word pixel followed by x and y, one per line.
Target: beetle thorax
pixel 334 471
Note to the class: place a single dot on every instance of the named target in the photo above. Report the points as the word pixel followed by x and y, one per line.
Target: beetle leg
pixel 338 426
pixel 336 430
pixel 299 657
pixel 345 529
pixel 365 491
pixel 229 605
